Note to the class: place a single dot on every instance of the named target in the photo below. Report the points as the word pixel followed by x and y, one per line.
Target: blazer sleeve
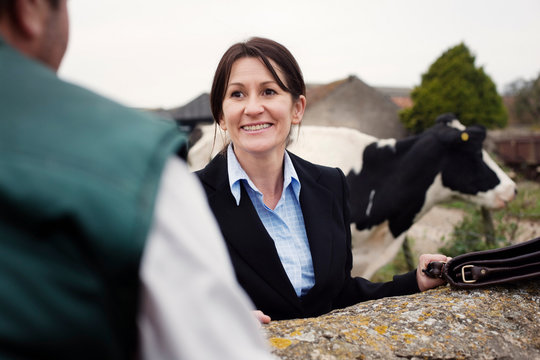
pixel 358 289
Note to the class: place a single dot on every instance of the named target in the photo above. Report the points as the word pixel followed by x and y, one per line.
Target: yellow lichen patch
pixel 495 313
pixel 424 315
pixel 360 320
pixel 471 314
pixel 351 335
pixel 354 334
pixel 424 332
pixel 280 343
pixel 408 337
pixel 296 333
pixel 381 329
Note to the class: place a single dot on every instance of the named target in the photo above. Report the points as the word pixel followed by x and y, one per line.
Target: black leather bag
pixel 481 268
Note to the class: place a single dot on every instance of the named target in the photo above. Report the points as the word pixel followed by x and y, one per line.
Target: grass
pixel 525 206
pixel 397 266
pixel 527 202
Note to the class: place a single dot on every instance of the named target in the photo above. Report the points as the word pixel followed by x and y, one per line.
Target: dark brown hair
pixel 266 50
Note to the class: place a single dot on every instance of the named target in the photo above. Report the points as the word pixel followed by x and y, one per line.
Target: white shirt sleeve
pixel 191 305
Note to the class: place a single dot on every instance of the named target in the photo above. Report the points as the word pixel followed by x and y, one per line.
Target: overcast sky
pixel 163 53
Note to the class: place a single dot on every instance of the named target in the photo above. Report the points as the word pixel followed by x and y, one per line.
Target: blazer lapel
pixel 316 203
pixel 245 232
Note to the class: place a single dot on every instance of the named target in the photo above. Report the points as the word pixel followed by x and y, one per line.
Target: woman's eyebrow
pixel 263 83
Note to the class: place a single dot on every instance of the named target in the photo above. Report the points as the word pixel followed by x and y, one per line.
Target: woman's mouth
pixel 255 127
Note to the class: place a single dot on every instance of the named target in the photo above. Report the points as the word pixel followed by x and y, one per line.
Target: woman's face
pixel 257 113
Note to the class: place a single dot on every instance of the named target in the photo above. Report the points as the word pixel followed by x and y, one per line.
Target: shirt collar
pixel 237 174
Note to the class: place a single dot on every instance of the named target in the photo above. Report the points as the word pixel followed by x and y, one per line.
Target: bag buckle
pixel 463 274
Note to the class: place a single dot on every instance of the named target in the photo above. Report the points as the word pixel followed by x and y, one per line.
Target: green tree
pixel 526 104
pixel 454 84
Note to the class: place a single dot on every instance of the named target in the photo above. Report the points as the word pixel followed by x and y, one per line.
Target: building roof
pixel 350 102
pixel 394 91
pixel 196 110
pixel 401 96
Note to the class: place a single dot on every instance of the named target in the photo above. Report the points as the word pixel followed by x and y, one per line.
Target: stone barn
pixel 352 103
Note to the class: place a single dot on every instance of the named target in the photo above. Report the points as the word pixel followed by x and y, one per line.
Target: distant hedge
pixel 453 84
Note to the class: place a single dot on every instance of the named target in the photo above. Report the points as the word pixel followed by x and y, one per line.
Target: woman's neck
pixel 266 172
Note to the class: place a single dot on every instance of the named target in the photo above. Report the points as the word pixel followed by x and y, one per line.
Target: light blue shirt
pixel 284 224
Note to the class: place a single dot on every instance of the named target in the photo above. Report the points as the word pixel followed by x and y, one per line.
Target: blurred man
pixel 101 225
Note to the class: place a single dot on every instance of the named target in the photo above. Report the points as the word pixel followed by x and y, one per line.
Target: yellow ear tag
pixel 464 136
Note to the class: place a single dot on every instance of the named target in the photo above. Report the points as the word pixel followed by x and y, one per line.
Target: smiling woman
pixel 258 93
pixel 284 219
pixel 258 114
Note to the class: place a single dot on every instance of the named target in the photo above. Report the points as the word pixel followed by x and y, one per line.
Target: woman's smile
pixel 256 127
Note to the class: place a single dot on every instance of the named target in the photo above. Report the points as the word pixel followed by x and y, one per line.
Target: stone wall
pixel 492 323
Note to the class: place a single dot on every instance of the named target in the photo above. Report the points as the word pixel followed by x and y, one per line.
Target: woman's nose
pixel 253 107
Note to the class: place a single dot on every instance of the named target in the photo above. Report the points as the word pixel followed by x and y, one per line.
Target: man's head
pixel 37 28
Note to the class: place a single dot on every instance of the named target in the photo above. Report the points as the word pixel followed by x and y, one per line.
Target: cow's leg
pixel 406 247
pixel 373 249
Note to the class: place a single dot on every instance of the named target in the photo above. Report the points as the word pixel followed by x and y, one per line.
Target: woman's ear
pixel 299 108
pixel 222 123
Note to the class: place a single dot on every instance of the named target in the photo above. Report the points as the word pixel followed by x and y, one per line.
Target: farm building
pixel 350 102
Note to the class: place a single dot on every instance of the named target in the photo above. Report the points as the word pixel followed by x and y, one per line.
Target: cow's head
pixel 469 172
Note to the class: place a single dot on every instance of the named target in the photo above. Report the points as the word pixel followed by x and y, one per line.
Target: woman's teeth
pixel 255 127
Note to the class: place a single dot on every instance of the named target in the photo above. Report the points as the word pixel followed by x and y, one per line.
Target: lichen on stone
pixel 501 322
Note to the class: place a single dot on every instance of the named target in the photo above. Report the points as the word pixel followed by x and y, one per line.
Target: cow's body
pixel 393 183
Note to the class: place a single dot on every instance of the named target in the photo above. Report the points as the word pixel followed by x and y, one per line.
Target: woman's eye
pixel 236 94
pixel 269 92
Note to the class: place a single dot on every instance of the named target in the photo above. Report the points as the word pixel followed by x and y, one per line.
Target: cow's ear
pixel 445 118
pixel 471 139
pixel 474 134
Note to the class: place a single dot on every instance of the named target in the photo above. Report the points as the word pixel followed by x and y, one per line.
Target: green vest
pixel 78 181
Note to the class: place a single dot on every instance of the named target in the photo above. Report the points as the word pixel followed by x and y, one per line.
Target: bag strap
pixel 471 274
pixel 507 264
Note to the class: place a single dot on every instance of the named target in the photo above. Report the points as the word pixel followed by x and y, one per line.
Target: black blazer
pixel 324 202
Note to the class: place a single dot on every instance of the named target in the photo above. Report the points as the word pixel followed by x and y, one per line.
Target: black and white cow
pixel 393 183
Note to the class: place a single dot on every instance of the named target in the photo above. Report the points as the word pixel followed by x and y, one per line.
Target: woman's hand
pixel 424 281
pixel 263 319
